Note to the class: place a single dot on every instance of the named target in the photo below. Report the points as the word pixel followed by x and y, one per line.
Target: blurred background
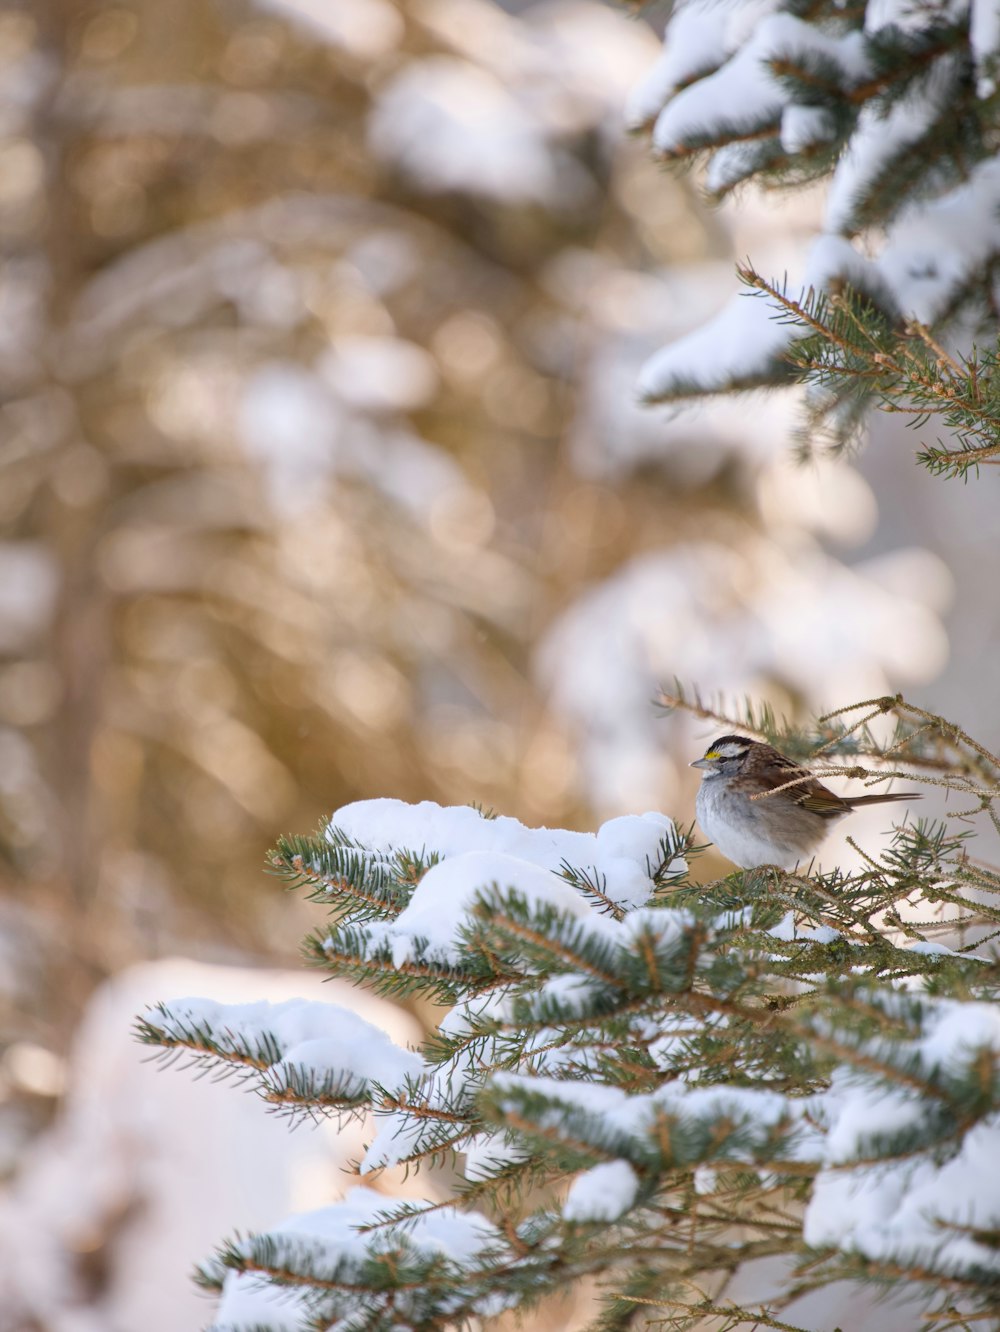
pixel 322 479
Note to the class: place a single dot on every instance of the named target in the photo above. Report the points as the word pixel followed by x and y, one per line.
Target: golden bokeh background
pixel 286 496
pixel 322 478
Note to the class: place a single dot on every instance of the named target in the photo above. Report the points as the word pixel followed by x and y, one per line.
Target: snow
pixel 744 93
pixel 933 249
pixel 502 851
pixel 336 1231
pixel 922 1205
pixel 610 1110
pixel 397 1138
pixel 123 1172
pixel 804 127
pixel 290 425
pixel 627 847
pixel 958 1032
pixel 931 949
pixel 621 857
pixel 883 137
pixel 705 1180
pixel 632 313
pixel 399 1134
pixel 700 35
pixel 487 1154
pixel 309 428
pixel 860 1113
pixel 788 932
pixel 386 825
pixel 445 900
pixel 832 256
pixel 739 344
pixel 597 53
pixel 930 251
pixel 911 15
pixel 332 1235
pixel 919 1206
pixel 891 1210
pixel 569 991
pixel 247 1304
pixel 984 36
pixel 913 1209
pixel 470 1013
pixel 452 126
pixel 828 498
pixel 729 101
pixel 925 256
pixel 447 894
pixel 665 926
pixel 694 44
pixel 603 1193
pixel 322 1040
pixel 489 117
pixel 569 63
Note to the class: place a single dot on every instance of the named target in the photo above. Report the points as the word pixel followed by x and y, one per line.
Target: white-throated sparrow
pixel 780 829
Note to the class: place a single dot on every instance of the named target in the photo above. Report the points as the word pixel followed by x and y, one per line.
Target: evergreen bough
pixel 897 104
pixel 650 1082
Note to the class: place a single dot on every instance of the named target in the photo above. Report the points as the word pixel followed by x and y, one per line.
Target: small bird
pixel 780 829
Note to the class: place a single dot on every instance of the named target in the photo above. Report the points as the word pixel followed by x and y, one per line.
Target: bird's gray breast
pixel 755 832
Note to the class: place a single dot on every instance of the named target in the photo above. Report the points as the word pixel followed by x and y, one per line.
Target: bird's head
pixel 725 755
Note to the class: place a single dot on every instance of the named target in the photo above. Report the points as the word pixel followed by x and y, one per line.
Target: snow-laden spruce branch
pixel 898 105
pixel 642 1078
pixel 853 356
pixel 300 1056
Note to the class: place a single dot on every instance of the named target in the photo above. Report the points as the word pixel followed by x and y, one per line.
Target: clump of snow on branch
pixel 602 1193
pixel 725 353
pixel 332 1239
pixel 481 851
pixel 933 1210
pixel 745 88
pixel 294 1040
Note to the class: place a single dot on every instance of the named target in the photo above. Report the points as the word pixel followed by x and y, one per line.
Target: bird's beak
pixel 703 763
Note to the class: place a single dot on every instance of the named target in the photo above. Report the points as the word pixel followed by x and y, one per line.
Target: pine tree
pixel 898 104
pixel 648 1082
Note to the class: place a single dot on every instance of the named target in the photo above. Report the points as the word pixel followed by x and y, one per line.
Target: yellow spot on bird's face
pixel 713 754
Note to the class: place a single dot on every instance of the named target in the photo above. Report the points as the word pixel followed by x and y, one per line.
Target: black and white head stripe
pixel 728 746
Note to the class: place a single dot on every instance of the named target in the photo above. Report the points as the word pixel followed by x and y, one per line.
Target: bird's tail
pixel 854 801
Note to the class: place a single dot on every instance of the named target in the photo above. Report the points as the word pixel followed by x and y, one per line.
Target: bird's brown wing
pixel 775 769
pixel 819 799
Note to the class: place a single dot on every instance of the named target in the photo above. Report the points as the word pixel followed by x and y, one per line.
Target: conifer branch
pixel 681 1070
